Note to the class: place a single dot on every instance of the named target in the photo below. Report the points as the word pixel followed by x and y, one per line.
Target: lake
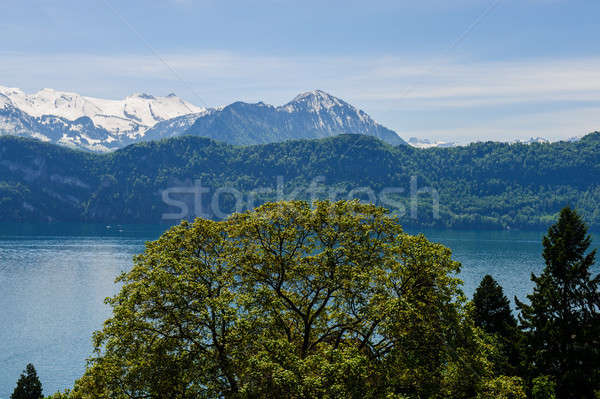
pixel 54 278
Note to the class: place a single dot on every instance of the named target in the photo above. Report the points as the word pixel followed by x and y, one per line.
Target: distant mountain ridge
pixel 310 115
pixel 426 143
pixel 104 125
pixel 85 122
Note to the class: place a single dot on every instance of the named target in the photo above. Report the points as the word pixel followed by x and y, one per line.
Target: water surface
pixel 54 278
pixel 53 281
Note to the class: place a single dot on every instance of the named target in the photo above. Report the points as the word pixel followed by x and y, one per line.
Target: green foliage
pixel 492 308
pixel 28 385
pixel 543 387
pixel 503 387
pixel 289 301
pixel 483 185
pixel 60 395
pixel 562 320
pixel 492 313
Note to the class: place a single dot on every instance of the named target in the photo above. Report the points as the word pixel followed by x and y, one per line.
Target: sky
pixel 450 70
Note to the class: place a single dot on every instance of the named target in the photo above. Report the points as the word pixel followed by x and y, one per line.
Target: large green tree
pixel 492 308
pixel 28 385
pixel 562 318
pixel 290 301
pixel 492 313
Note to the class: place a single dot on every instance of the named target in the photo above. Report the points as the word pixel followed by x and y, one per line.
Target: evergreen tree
pixel 492 308
pixel 562 320
pixel 28 385
pixel 493 314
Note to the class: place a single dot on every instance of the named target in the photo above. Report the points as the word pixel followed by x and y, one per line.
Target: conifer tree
pixel 28 385
pixel 562 320
pixel 494 316
pixel 492 308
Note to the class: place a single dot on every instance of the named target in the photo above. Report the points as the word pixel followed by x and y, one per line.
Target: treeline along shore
pixel 480 186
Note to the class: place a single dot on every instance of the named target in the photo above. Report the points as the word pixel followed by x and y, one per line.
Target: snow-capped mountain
pixel 130 116
pixel 426 143
pixel 103 125
pixel 86 122
pixel 79 133
pixel 533 140
pixel 310 115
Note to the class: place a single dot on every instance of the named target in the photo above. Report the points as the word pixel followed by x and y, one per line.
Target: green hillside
pixel 483 185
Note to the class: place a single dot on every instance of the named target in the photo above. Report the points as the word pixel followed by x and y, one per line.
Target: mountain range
pixel 102 125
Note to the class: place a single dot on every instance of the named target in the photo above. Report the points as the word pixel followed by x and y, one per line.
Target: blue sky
pixel 458 70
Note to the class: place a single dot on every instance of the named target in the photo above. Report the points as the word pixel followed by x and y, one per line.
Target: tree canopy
pixel 292 301
pixel 562 319
pixel 483 185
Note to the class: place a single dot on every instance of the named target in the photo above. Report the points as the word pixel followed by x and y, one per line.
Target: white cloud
pixel 554 126
pixel 386 87
pixel 539 80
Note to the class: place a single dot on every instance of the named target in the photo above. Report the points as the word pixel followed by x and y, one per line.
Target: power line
pixel 461 38
pixel 155 53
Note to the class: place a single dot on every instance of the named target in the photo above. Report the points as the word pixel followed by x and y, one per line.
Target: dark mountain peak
pixel 313 114
pixel 238 105
pixel 244 106
pixel 591 137
pixel 146 96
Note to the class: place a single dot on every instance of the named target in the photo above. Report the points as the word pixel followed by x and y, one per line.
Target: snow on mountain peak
pixel 315 96
pixel 327 110
pixel 315 101
pixel 131 116
pixel 102 125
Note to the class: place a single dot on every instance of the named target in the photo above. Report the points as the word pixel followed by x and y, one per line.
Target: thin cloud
pixel 383 86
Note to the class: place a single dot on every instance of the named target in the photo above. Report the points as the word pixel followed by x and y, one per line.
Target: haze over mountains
pixel 104 125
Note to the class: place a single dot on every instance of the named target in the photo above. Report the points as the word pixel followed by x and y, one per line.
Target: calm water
pixel 53 280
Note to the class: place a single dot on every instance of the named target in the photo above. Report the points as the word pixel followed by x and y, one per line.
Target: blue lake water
pixel 54 278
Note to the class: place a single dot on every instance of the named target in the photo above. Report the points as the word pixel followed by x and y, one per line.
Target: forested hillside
pixel 483 185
